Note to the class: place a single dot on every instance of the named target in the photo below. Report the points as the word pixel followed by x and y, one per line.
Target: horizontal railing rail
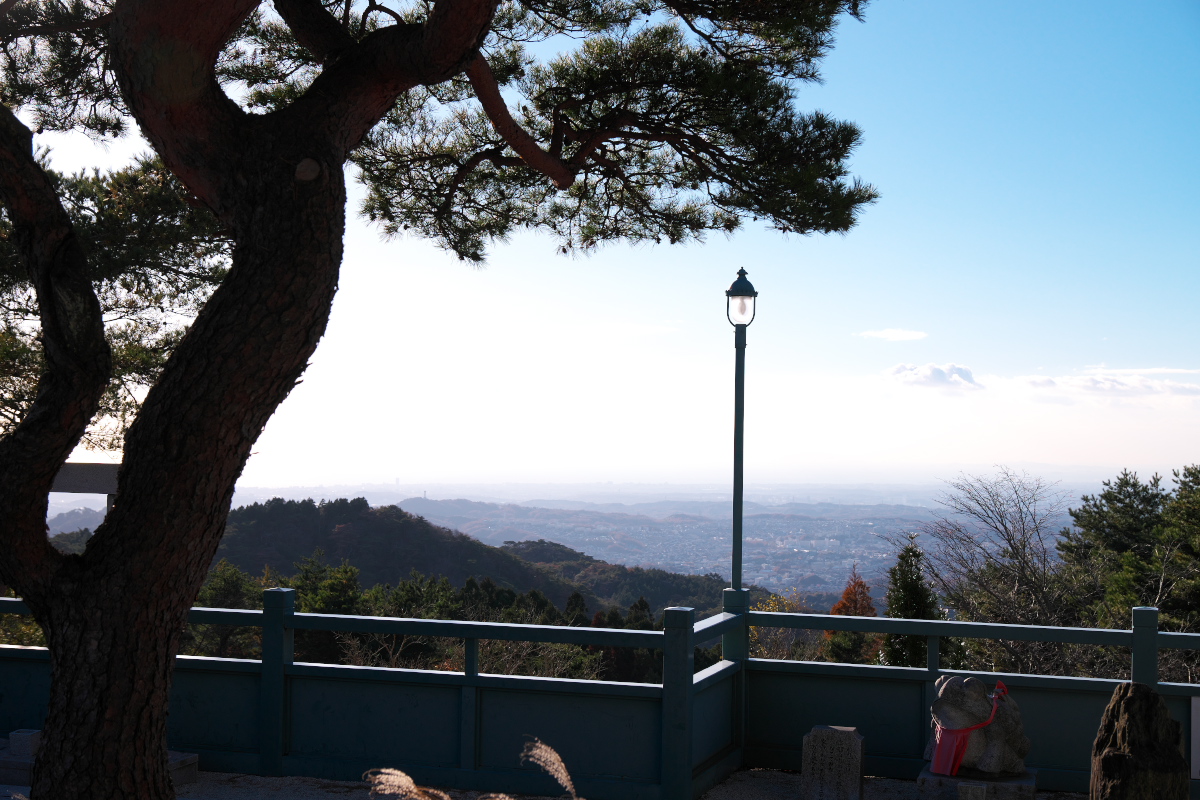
pixel 13 605
pixel 240 617
pixel 404 626
pixel 714 627
pixel 462 629
pixel 947 628
pixel 1179 641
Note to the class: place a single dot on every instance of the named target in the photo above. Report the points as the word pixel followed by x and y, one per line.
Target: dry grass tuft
pixel 545 757
pixel 394 783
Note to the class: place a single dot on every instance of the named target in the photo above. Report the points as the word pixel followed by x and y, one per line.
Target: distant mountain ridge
pixel 806 546
pixel 724 510
pixel 387 543
pixel 74 520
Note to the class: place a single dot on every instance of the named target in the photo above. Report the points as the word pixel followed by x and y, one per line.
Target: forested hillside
pixel 386 544
pixel 622 585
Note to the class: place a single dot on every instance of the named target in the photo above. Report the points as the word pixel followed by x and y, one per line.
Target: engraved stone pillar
pixel 832 764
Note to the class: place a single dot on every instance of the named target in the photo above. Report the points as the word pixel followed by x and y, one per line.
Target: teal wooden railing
pixel 668 741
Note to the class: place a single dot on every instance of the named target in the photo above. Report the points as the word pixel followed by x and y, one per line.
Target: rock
pixel 997 749
pixel 832 764
pixel 1138 751
pixel 944 787
pixel 24 743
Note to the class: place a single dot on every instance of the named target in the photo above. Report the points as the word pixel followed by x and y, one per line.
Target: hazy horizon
pixel 916 493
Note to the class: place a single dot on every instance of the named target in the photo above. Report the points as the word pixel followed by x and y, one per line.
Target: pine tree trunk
pixel 114 616
pixel 111 662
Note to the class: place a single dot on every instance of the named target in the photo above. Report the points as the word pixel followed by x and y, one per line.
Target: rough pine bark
pixel 113 618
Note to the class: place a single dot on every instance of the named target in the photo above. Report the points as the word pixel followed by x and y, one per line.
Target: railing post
pixel 678 667
pixel 933 662
pixel 278 650
pixel 468 718
pixel 1144 668
pixel 735 644
pixel 933 655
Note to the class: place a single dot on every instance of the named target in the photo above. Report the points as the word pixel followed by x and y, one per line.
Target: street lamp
pixel 739 308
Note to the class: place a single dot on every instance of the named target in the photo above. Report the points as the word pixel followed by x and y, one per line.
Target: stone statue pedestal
pixel 968 786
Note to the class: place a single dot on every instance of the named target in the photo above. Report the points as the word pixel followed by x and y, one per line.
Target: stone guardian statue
pixel 976 730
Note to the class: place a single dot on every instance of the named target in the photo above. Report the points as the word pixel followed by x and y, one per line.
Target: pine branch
pixel 47 30
pixel 488 92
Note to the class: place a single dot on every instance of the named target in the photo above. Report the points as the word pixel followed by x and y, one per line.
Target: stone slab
pixel 17 770
pixel 832 764
pixel 965 787
pixel 24 743
pixel 185 767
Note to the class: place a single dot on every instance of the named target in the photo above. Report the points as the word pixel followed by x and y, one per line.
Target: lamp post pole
pixel 739 418
pixel 740 302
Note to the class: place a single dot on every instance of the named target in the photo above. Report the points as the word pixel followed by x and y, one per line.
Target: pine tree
pixel 909 596
pixel 663 122
pixel 854 647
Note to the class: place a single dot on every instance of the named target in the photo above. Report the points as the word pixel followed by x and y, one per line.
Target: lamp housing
pixel 740 301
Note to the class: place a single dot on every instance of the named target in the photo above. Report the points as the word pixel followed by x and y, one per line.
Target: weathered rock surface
pixel 832 764
pixel 1138 752
pixel 998 749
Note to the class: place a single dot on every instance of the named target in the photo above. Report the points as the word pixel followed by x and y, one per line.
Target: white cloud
pixel 1098 383
pixel 1124 383
pixel 894 335
pixel 946 376
pixel 1103 370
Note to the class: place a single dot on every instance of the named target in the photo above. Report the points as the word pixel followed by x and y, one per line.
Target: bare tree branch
pixel 994 555
pixel 373 7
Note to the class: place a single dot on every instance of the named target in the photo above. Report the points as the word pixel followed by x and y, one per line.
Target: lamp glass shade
pixel 741 310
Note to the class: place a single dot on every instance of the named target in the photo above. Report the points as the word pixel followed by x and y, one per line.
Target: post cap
pixel 279 598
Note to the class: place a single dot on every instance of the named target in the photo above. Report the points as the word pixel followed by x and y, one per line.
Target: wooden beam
pixel 87 478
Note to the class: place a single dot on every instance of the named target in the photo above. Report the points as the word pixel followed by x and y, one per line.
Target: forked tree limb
pixel 164 55
pixel 77 360
pixel 315 28
pixel 165 52
pixel 354 92
pixel 453 34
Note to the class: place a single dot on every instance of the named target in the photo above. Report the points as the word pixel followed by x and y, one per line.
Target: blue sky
pixel 1029 273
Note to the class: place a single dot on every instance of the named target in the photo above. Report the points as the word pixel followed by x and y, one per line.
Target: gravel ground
pixel 769 784
pixel 752 784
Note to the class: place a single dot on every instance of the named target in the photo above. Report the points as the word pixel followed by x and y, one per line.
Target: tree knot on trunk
pixel 309 169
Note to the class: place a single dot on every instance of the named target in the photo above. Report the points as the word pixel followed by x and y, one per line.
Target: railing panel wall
pixel 214 706
pixel 786 699
pixel 387 724
pixel 24 687
pixel 598 737
pixel 712 720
